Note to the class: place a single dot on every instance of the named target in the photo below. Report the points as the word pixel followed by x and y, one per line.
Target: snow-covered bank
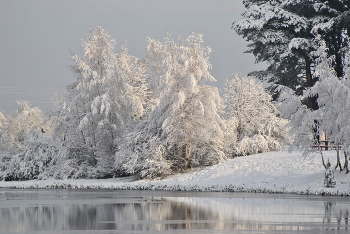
pixel 273 172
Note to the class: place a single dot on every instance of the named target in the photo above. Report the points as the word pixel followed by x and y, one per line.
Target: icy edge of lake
pixel 77 184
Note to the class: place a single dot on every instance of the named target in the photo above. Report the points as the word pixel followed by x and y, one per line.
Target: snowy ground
pixel 274 172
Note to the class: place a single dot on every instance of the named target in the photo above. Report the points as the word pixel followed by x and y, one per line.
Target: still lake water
pixel 115 211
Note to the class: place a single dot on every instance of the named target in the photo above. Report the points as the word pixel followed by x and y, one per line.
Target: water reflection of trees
pixel 157 215
pixel 152 215
pixel 339 213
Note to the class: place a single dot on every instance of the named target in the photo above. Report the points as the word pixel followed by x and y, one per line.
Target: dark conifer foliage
pixel 281 33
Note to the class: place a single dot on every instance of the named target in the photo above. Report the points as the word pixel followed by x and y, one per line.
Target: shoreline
pixel 74 184
pixel 273 172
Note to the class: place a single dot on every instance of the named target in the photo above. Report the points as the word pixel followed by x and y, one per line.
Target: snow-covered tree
pixel 155 70
pixel 333 26
pixel 334 101
pixel 331 120
pixel 302 128
pixel 281 33
pixel 184 130
pixel 16 127
pixel 253 124
pixel 107 98
pixel 280 37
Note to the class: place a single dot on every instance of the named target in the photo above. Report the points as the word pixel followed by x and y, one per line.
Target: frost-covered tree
pixel 281 38
pixel 156 70
pixel 333 26
pixel 184 130
pixel 331 119
pixel 281 33
pixel 16 127
pixel 334 101
pixel 107 98
pixel 253 124
pixel 133 70
pixel 302 128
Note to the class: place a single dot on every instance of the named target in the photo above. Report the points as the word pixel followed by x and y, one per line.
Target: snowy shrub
pixel 11 168
pixel 74 163
pixel 146 156
pixel 34 160
pixel 15 128
pixel 156 166
pixel 5 159
pixel 256 144
pixel 253 124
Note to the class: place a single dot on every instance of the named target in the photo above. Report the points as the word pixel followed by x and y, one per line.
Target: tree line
pixel 152 117
pixel 158 116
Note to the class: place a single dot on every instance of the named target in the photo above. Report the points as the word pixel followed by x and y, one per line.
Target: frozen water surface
pixel 121 211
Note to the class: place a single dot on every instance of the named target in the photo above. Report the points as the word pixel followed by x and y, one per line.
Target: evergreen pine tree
pixel 280 32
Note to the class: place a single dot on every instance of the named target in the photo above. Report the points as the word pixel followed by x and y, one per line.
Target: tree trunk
pixel 323 163
pixel 337 41
pixel 188 157
pixel 312 101
pixel 338 160
pixel 346 167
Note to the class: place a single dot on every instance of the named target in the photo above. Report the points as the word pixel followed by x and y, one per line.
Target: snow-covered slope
pixel 273 172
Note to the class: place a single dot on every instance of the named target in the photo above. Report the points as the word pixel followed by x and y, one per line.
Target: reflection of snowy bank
pixel 160 211
pixel 275 212
pixel 274 172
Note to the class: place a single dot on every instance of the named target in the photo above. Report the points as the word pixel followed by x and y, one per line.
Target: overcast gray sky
pixel 36 36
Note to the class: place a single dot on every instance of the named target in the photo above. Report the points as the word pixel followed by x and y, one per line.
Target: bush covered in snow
pixel 252 122
pixel 74 163
pixel 33 161
pixel 15 127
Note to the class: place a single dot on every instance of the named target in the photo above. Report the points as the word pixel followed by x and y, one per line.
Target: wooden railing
pixel 324 145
